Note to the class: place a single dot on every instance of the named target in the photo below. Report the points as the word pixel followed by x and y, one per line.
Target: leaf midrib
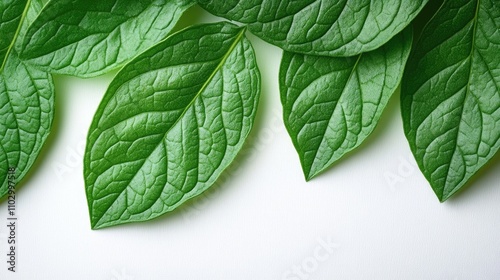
pixel 467 93
pixel 310 175
pixel 16 34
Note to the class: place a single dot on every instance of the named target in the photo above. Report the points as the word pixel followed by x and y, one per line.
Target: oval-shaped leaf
pixel 11 12
pixel 330 105
pixel 171 121
pixel 321 27
pixel 26 114
pixel 451 94
pixel 80 38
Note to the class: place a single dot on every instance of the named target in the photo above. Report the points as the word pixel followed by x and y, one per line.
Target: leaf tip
pixel 444 197
pixel 93 225
pixel 308 176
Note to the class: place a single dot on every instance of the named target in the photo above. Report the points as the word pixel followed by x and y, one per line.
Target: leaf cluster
pixel 182 104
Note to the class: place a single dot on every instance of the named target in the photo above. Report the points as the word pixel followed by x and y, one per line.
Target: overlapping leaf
pixel 11 12
pixel 330 105
pixel 26 112
pixel 451 94
pixel 171 121
pixel 88 38
pixel 34 9
pixel 321 27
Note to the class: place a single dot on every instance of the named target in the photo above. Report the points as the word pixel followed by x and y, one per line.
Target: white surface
pixel 262 221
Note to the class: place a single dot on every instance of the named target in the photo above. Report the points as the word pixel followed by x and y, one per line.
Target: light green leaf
pixel 451 94
pixel 11 12
pixel 26 114
pixel 321 27
pixel 82 38
pixel 171 121
pixel 330 105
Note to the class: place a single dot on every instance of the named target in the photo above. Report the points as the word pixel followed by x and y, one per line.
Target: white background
pixel 375 211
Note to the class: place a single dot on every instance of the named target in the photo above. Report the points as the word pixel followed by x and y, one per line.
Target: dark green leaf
pixel 88 38
pixel 451 94
pixel 330 105
pixel 321 27
pixel 171 121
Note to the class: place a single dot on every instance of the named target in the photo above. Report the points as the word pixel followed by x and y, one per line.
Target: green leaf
pixel 321 27
pixel 330 105
pixel 26 110
pixel 11 12
pixel 26 114
pixel 171 121
pixel 451 94
pixel 85 39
